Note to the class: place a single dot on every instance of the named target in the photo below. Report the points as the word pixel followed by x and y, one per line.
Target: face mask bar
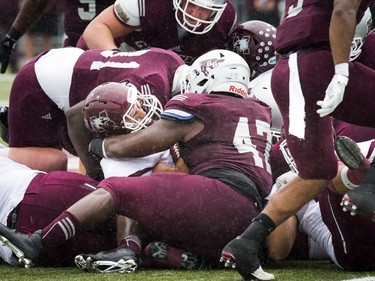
pixel 200 26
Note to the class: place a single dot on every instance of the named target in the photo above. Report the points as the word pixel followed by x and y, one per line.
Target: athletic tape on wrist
pixel 345 179
pixel 103 149
pixel 266 221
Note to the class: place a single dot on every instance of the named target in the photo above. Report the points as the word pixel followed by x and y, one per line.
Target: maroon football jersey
pixel 151 69
pixel 160 30
pixel 236 135
pixel 306 23
pixel 78 14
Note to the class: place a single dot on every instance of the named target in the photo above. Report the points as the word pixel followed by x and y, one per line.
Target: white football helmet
pixel 218 71
pixel 178 78
pixel 200 26
pixel 362 30
pixel 288 156
pixel 262 91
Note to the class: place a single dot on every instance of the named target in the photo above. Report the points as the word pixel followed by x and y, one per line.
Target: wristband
pixel 14 34
pixel 11 38
pixel 342 69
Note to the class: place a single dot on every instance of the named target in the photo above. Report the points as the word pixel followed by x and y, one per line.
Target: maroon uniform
pixel 307 67
pixel 36 102
pixel 228 162
pixel 356 133
pixel 45 198
pixel 78 14
pixel 159 29
pixel 352 236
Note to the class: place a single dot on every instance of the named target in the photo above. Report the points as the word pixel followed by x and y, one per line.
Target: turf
pixel 5 85
pixel 285 270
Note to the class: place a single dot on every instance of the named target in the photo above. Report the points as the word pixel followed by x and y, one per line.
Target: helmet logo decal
pixel 102 121
pixel 210 64
pixel 241 45
pixel 237 90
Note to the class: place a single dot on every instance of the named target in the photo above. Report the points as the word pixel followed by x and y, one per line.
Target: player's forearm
pixel 99 37
pixel 80 138
pixel 342 28
pixel 29 14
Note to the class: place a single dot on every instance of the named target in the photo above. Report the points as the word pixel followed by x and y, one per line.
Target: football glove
pixel 96 148
pixel 335 90
pixel 6 47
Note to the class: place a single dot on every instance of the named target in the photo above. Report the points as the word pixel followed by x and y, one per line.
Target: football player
pixel 33 198
pixel 349 235
pixel 224 139
pixel 187 27
pixel 52 82
pixel 315 64
pixel 6 20
pixel 77 14
pixel 30 199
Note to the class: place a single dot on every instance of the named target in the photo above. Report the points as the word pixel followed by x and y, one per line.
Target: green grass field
pixel 286 270
pixel 5 84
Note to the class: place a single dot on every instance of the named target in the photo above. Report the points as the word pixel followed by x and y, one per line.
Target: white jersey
pixel 126 167
pixel 15 178
pixel 310 223
pixel 54 72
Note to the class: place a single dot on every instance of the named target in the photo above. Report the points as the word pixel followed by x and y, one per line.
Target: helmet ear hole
pixel 201 25
pixel 202 83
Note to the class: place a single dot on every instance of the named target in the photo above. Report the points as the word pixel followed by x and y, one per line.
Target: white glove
pixel 335 90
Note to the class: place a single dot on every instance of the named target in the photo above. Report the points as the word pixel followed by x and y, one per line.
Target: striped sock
pixel 61 229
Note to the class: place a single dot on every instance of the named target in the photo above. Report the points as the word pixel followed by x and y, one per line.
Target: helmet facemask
pixel 117 108
pixel 363 29
pixel 201 26
pixel 148 103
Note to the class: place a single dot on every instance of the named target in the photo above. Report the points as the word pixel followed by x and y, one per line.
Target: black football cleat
pixel 348 152
pixel 361 201
pixel 26 248
pixel 121 260
pixel 160 254
pixel 242 255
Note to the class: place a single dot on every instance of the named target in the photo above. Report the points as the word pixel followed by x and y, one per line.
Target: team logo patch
pixel 210 64
pixel 241 45
pixel 272 60
pixel 121 14
pixel 99 123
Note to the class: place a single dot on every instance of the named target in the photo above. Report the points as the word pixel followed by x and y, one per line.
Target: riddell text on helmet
pixel 240 91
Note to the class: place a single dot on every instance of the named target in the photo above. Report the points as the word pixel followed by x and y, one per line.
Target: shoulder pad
pixel 127 11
